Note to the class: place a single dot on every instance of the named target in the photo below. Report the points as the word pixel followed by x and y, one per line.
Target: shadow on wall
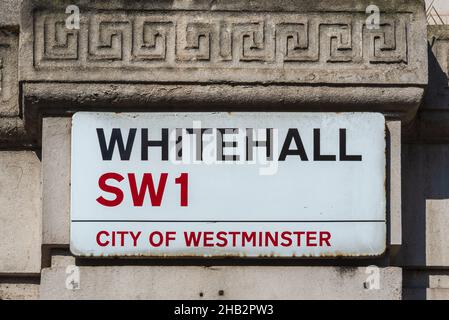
pixel 425 177
pixel 437 96
pixel 425 183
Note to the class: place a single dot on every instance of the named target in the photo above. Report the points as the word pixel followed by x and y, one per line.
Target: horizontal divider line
pixel 234 221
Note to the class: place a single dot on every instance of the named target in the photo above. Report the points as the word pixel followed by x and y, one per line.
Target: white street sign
pixel 228 184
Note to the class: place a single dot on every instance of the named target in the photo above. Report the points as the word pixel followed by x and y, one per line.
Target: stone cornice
pixel 271 55
pixel 226 44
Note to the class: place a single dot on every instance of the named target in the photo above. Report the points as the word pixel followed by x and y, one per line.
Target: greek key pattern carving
pixel 8 73
pixel 217 40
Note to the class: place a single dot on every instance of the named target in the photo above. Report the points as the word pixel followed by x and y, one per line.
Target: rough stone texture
pixel 439 281
pixel 156 97
pixel 171 282
pixel 12 129
pixel 9 89
pixel 20 216
pixel 438 92
pixel 19 291
pixel 191 52
pixel 56 181
pixel 225 44
pixel 437 233
pixel 10 13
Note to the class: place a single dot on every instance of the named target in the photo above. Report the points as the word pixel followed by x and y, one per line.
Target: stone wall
pixel 220 56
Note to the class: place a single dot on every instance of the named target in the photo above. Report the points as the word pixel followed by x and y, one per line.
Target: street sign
pixel 228 184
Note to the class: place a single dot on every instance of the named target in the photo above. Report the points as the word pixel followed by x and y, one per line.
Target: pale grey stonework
pixel 156 282
pixel 19 291
pixel 56 181
pixel 20 214
pixel 200 55
pixel 220 56
pixel 437 224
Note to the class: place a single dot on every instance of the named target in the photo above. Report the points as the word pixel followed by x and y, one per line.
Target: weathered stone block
pixel 231 41
pixel 19 291
pixel 425 205
pixel 20 216
pixel 422 284
pixel 56 180
pixel 439 281
pixel 170 56
pixel 437 294
pixel 10 13
pixel 394 178
pixel 170 282
pixel 437 233
pixel 11 125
